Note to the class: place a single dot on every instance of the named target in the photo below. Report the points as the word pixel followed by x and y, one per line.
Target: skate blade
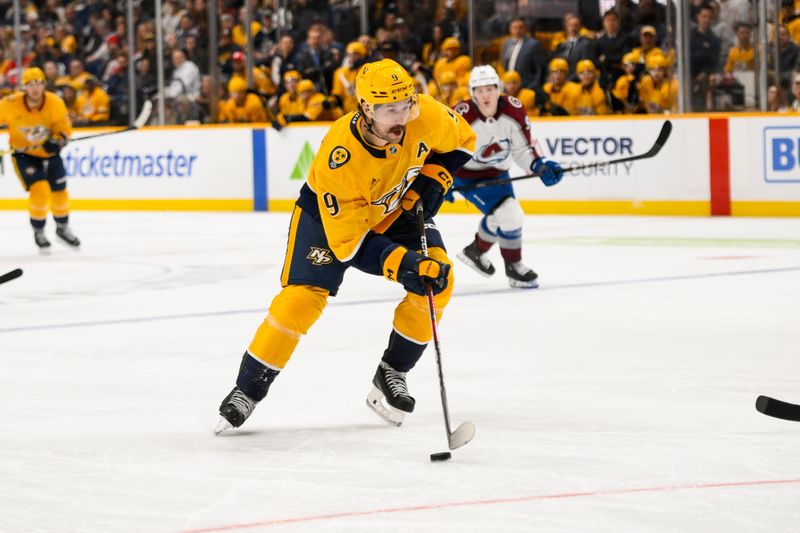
pixel 462 435
pixel 516 284
pixel 76 247
pixel 222 426
pixel 375 401
pixel 467 261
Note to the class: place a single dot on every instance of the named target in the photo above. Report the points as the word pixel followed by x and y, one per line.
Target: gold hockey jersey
pixel 31 127
pixel 359 186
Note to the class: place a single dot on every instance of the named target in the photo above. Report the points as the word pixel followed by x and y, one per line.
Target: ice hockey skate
pixel 41 241
pixel 476 260
pixel 234 410
pixel 520 276
pixel 389 396
pixel 65 234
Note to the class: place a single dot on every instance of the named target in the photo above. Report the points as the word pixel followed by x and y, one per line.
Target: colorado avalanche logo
pixel 513 101
pixel 493 153
pixel 461 108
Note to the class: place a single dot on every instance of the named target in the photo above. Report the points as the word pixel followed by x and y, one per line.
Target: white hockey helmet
pixel 483 75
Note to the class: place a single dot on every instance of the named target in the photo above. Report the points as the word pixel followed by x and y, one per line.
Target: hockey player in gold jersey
pixel 38 128
pixel 372 168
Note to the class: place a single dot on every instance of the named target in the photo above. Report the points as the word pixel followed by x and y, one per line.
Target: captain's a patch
pixel 339 156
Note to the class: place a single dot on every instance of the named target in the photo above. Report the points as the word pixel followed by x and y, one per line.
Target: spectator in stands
pixel 344 78
pixel 196 54
pixel 51 75
pixel 704 49
pixel 587 98
pixel 283 60
pixel 93 104
pixel 796 92
pixel 77 75
pixel 266 40
pixel 725 32
pixel 512 83
pixel 788 56
pixel 647 48
pixel 237 31
pixel 185 77
pixel 146 81
pixel 657 92
pixel 575 47
pixel 776 100
pixel 524 54
pixel 314 61
pixel 410 45
pixel 610 45
pixel 242 106
pixel 69 94
pixel 627 14
pixel 791 19
pixel 117 87
pixel 559 88
pixel 741 56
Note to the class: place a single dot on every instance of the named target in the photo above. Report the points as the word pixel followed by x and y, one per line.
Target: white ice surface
pixel 618 397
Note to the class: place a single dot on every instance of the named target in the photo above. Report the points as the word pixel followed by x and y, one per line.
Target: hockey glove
pixel 54 144
pixel 549 171
pixel 280 122
pixel 415 271
pixel 430 185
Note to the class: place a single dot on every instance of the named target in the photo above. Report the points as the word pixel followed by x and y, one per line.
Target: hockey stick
pixel 141 120
pixel 778 409
pixel 466 431
pixel 8 276
pixel 663 135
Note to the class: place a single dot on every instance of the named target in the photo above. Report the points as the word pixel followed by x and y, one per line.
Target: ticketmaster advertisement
pixel 153 164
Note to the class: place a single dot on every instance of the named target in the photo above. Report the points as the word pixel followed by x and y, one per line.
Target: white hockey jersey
pixel 501 138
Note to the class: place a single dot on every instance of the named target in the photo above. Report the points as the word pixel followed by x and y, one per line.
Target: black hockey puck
pixel 442 456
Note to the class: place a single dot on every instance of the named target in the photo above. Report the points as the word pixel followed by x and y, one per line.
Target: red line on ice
pixel 468 503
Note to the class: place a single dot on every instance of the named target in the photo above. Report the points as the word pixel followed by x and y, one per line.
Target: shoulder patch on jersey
pixel 513 100
pixel 339 156
pixel 462 108
pixel 422 149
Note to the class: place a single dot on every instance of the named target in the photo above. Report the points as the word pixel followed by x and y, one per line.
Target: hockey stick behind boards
pixel 663 135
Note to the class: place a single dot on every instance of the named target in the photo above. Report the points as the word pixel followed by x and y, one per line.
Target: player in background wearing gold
pixel 558 88
pixel 241 106
pixel 657 92
pixel 512 86
pixel 357 209
pixel 587 98
pixel 38 128
pixel 344 77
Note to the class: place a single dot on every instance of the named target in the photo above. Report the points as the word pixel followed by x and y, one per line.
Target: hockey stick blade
pixel 144 115
pixel 661 140
pixel 14 274
pixel 462 435
pixel 778 409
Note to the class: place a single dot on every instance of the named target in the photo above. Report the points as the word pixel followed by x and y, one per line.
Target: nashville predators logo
pixel 319 256
pixel 339 156
pixel 391 200
pixel 35 134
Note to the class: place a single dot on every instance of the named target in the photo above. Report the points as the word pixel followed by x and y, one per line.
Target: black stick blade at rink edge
pixel 778 409
pixel 14 274
pixel 442 456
